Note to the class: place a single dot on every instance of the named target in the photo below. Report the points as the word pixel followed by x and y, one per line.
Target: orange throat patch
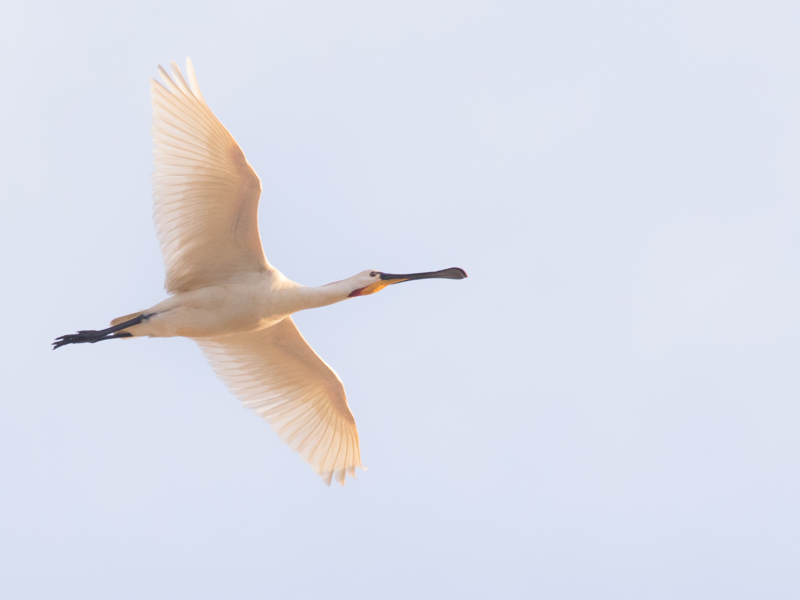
pixel 375 287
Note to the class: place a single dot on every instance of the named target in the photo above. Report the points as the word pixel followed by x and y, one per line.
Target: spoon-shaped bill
pixel 452 273
pixel 387 279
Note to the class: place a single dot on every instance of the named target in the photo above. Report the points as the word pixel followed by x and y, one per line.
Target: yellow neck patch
pixel 375 287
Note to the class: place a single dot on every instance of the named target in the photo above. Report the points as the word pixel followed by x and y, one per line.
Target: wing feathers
pixel 205 194
pixel 205 205
pixel 193 81
pixel 176 73
pixel 275 373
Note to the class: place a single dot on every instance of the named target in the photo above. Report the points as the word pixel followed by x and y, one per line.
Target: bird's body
pixel 224 294
pixel 247 303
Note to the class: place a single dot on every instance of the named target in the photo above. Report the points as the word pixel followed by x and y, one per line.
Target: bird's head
pixel 369 282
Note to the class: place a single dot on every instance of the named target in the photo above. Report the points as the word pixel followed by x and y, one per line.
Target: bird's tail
pixel 119 320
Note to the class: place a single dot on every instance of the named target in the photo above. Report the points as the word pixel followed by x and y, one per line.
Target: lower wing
pixel 276 373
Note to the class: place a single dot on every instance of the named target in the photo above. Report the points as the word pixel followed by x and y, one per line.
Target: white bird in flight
pixel 227 297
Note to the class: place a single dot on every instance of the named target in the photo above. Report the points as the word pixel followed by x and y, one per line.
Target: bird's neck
pixel 304 297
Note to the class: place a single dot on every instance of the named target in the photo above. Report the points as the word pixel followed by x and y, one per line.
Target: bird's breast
pixel 215 311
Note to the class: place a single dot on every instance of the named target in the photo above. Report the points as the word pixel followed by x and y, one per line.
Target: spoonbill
pixel 226 296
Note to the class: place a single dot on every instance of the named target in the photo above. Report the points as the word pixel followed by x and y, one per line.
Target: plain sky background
pixel 607 408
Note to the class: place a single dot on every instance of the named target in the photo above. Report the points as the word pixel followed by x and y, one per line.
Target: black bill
pixel 452 273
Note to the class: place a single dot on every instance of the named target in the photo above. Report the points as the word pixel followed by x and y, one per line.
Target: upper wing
pixel 205 193
pixel 276 373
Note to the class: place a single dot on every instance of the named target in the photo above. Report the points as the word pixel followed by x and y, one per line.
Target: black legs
pixel 91 336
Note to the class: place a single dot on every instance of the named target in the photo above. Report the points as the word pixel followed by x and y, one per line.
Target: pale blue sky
pixel 607 408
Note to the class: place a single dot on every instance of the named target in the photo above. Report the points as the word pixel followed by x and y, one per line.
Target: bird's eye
pixel 373 274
